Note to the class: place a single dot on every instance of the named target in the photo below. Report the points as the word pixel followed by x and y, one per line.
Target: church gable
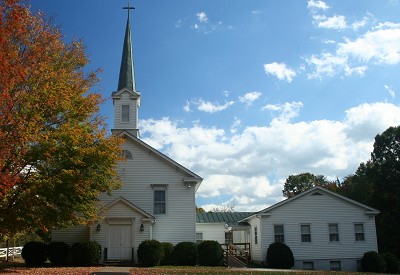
pixel 125 94
pixel 142 158
pixel 121 207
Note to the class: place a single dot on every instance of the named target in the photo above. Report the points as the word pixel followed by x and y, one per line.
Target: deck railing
pixel 240 252
pixel 10 252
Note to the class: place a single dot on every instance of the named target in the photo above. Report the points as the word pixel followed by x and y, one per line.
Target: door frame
pixel 120 221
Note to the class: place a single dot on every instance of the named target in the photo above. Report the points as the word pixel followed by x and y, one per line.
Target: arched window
pixel 127 154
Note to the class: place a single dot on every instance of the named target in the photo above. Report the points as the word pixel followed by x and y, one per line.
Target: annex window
pixel 199 237
pixel 336 266
pixel 279 233
pixel 308 265
pixel 333 232
pixel 255 235
pixel 125 113
pixel 229 237
pixel 359 231
pixel 159 202
pixel 305 233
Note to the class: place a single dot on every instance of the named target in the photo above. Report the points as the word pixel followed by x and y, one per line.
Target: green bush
pixel 373 262
pixel 168 254
pixel 34 253
pixel 392 263
pixel 186 253
pixel 210 253
pixel 58 252
pixel 86 253
pixel 279 255
pixel 150 253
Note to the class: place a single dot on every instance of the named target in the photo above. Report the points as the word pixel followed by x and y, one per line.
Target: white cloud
pixel 280 70
pixel 387 25
pixel 203 24
pixel 286 111
pixel 250 97
pixel 178 23
pixel 313 4
pixel 328 64
pixel 236 124
pixel 248 167
pixel 210 107
pixel 358 24
pixel 381 46
pixel 391 92
pixel 186 108
pixel 202 17
pixel 329 41
pixel 337 22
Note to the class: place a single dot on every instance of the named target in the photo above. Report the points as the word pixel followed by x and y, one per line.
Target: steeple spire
pixel 126 99
pixel 126 72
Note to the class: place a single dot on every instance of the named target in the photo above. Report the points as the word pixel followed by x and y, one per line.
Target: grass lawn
pixel 18 267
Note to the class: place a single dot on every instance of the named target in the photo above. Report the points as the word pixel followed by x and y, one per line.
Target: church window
pixel 125 113
pixel 159 202
pixel 279 233
pixel 255 235
pixel 127 154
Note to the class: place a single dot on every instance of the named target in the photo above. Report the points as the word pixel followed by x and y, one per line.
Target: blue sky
pixel 246 93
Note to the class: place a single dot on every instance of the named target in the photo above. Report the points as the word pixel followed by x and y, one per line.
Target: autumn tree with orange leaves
pixel 55 154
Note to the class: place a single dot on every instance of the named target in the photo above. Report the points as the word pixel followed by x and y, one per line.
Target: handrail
pixel 238 253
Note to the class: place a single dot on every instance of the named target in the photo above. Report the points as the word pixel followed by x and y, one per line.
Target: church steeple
pixel 126 99
pixel 126 72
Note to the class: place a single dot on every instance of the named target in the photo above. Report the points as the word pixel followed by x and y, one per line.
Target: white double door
pixel 119 242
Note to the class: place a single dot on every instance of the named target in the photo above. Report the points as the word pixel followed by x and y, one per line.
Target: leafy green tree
pixel 296 184
pixel 200 210
pixel 56 156
pixel 358 186
pixel 385 174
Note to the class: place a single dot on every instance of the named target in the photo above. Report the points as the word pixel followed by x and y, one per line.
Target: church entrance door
pixel 119 242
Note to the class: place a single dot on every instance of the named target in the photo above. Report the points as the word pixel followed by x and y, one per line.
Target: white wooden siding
pixel 255 249
pixel 133 112
pixel 319 211
pixel 212 231
pixel 123 212
pixel 71 236
pixel 138 174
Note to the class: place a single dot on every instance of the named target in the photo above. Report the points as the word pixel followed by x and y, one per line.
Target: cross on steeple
pixel 128 8
pixel 127 74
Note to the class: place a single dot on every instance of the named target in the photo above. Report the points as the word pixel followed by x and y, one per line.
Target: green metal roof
pixel 126 72
pixel 222 217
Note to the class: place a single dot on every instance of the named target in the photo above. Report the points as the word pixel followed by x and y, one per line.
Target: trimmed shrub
pixel 150 253
pixel 210 253
pixel 86 253
pixel 392 263
pixel 373 262
pixel 58 252
pixel 279 255
pixel 186 253
pixel 34 253
pixel 168 254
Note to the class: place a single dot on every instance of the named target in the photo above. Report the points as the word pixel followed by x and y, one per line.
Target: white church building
pixel 157 199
